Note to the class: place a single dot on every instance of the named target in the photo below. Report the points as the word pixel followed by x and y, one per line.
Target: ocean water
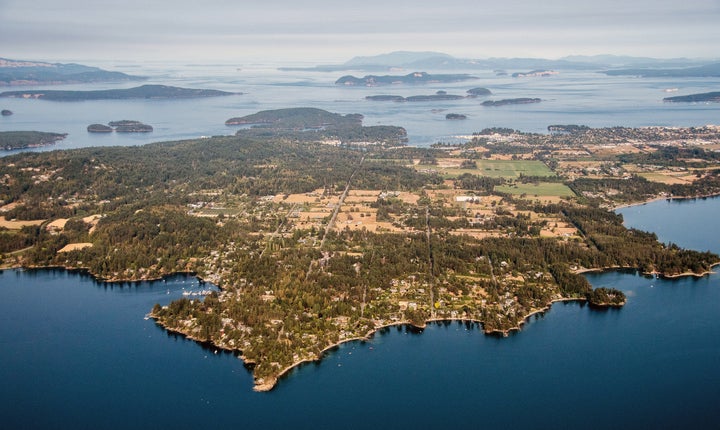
pixel 78 353
pixel 571 97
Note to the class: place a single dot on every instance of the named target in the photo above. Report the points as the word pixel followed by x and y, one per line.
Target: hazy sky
pixel 334 31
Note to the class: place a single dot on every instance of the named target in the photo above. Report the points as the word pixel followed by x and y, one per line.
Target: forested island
pixel 479 92
pixel 438 96
pixel 122 126
pixel 10 140
pixel 534 74
pixel 141 92
pixel 18 72
pixel 695 98
pixel 409 79
pixel 315 239
pixel 516 101
pixel 317 125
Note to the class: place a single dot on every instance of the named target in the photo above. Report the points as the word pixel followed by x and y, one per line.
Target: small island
pixel 516 101
pixel 409 79
pixel 385 98
pixel 695 98
pixel 6 112
pixel 99 128
pixel 479 92
pixel 141 92
pixel 606 298
pixel 122 126
pixel 535 74
pixel 438 96
pixel 455 116
pixel 12 140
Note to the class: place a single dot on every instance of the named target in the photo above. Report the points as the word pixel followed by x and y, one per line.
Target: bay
pixel 78 353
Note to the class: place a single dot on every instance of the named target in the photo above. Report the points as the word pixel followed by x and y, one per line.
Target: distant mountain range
pixel 705 71
pixel 413 61
pixel 17 72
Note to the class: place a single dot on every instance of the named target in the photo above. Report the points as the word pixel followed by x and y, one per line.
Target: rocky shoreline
pixel 268 383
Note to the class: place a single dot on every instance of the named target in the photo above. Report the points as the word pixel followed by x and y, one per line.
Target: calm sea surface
pixel 572 97
pixel 75 353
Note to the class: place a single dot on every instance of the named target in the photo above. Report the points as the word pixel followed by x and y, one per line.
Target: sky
pixel 331 31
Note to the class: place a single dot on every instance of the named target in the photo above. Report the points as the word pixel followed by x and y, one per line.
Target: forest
pixel 314 244
pixel 11 140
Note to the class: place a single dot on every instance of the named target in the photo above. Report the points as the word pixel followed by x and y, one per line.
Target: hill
pixel 16 72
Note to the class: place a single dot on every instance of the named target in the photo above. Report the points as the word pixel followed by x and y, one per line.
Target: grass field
pixel 541 189
pixel 665 178
pixel 509 169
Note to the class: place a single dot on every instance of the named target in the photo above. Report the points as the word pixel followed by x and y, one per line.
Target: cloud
pixel 320 29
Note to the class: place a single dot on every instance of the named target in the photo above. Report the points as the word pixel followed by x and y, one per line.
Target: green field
pixel 540 189
pixel 509 169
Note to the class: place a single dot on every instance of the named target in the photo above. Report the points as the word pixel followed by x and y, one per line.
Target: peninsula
pixel 141 92
pixel 11 140
pixel 316 238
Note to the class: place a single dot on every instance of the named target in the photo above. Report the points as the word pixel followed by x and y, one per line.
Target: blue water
pixel 572 97
pixel 77 353
pixel 690 223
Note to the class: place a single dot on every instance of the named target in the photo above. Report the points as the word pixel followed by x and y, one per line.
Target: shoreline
pixel 659 198
pixel 654 273
pixel 269 383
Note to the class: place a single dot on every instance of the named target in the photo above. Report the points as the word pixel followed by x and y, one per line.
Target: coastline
pixel 267 384
pixel 653 273
pixel 658 198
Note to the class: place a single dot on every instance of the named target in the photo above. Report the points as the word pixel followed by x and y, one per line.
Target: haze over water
pixel 571 97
